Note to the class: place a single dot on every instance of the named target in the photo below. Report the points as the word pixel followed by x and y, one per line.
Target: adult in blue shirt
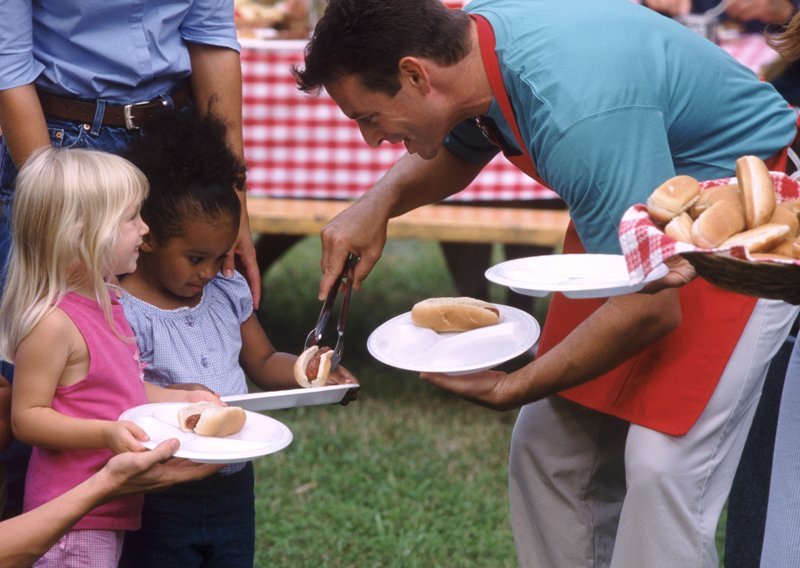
pixel 602 100
pixel 90 73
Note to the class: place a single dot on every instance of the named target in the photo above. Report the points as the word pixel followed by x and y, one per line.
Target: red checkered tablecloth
pixel 301 146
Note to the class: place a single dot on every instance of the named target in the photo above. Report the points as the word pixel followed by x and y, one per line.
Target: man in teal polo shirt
pixel 606 100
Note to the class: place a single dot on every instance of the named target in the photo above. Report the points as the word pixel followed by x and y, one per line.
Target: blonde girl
pixel 76 226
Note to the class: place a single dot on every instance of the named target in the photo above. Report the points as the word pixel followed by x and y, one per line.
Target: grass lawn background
pixel 407 475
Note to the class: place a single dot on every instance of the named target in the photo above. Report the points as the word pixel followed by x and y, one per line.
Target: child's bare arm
pixel 266 367
pixel 194 392
pixel 40 362
pixel 270 369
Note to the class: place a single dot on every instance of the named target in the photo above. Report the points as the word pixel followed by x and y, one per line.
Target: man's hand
pixel 245 250
pixel 487 388
pixel 136 472
pixel 681 272
pixel 358 230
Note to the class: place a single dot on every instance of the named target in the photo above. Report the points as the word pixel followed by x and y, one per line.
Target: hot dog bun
pixel 680 228
pixel 672 198
pixel 758 193
pixel 783 215
pixel 717 224
pixel 209 419
pixel 454 314
pixel 302 363
pixel 760 239
pixel 711 195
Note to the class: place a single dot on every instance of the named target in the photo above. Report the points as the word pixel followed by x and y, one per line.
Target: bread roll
pixel 711 195
pixel 454 314
pixel 209 419
pixel 790 246
pixel 760 239
pixel 716 224
pixel 672 198
pixel 758 193
pixel 767 256
pixel 783 215
pixel 680 228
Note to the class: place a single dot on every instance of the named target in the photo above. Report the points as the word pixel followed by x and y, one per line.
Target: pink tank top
pixel 113 385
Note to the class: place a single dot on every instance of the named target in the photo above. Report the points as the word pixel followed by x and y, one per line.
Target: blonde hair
pixel 787 43
pixel 67 209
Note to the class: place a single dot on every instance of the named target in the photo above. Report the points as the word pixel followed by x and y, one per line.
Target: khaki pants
pixel 590 490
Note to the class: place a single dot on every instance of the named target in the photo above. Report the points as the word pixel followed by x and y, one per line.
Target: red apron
pixel 666 386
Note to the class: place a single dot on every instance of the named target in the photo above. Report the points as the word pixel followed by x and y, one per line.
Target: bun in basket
pixel 760 239
pixel 454 314
pixel 718 193
pixel 758 192
pixel 209 419
pixel 672 198
pixel 680 228
pixel 717 224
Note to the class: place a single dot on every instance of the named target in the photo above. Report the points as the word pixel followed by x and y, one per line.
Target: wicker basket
pixel 762 279
pixel 645 246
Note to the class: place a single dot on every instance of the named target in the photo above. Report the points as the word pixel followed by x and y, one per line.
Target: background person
pixel 631 466
pixel 781 546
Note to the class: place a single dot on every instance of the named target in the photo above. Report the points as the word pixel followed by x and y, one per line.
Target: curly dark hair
pixel 193 174
pixel 368 38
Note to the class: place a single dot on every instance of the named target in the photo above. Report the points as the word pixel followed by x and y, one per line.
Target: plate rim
pixel 206 457
pixel 287 392
pixel 582 290
pixel 456 370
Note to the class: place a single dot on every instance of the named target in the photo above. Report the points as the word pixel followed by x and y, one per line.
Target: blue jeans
pixel 208 523
pixel 63 134
pixel 749 495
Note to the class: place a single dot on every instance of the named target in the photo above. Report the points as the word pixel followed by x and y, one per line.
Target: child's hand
pixel 181 392
pixel 125 436
pixel 202 396
pixel 341 376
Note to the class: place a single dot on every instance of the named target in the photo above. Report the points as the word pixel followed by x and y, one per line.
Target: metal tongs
pixel 345 281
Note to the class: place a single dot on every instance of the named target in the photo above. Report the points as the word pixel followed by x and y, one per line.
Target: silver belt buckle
pixel 129 118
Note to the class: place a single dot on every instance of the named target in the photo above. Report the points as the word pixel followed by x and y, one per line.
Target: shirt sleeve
pixel 17 65
pixel 211 22
pixel 466 141
pixel 236 291
pixel 143 330
pixel 600 181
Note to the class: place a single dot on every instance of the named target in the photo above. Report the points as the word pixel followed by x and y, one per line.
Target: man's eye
pixel 195 259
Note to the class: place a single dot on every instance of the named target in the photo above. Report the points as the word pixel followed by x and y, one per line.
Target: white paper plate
pixel 261 435
pixel 574 275
pixel 401 344
pixel 275 400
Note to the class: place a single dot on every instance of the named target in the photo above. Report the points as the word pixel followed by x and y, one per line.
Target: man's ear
pixel 414 71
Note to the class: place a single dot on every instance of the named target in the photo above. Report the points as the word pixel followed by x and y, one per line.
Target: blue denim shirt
pixel 120 50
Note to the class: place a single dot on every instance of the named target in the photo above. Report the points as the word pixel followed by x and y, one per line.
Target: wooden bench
pixel 453 223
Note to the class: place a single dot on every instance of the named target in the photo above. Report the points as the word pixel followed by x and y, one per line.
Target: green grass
pixel 407 475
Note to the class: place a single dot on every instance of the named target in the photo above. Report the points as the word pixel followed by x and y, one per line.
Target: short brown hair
pixel 368 38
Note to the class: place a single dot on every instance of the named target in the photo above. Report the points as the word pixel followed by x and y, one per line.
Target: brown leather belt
pixel 131 116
